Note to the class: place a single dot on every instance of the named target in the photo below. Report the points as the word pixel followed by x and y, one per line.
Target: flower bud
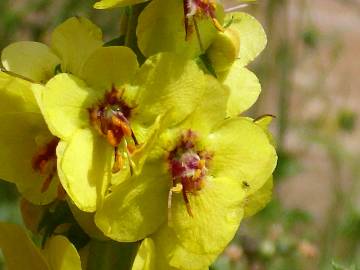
pixel 224 50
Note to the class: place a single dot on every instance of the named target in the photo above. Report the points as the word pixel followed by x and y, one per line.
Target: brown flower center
pixel 111 119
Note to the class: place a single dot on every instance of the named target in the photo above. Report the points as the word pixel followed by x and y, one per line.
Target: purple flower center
pixel 188 166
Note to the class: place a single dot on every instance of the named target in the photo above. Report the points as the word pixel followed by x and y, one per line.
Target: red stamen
pixel 188 167
pixel 187 203
pixel 44 162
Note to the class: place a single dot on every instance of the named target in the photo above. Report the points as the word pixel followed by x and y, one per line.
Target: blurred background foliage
pixel 310 79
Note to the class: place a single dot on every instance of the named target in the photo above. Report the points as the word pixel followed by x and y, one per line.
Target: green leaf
pixel 110 255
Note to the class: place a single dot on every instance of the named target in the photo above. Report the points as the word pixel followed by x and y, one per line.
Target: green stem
pixel 111 255
pixel 131 38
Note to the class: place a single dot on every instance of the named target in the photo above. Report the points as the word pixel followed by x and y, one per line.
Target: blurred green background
pixel 310 80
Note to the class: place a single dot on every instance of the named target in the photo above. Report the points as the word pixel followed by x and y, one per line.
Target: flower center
pixel 44 162
pixel 199 8
pixel 111 119
pixel 188 167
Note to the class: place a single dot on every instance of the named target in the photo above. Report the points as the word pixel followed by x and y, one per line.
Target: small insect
pixel 245 184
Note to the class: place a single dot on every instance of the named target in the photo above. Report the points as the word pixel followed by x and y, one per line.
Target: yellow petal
pixel 85 168
pixel 16 95
pixel 264 122
pixel 252 36
pixel 32 60
pixel 74 41
pixel 136 207
pixel 171 255
pixel 110 66
pixel 65 102
pixel 242 151
pixel 244 89
pixel 259 199
pixel 211 109
pixel 145 257
pixel 61 254
pixel 217 212
pixel 19 251
pixel 168 83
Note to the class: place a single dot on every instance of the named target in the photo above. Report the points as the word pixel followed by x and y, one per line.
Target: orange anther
pixel 116 121
pixel 217 25
pixel 131 148
pixel 121 124
pixel 201 164
pixel 118 163
pixel 111 138
pixel 126 129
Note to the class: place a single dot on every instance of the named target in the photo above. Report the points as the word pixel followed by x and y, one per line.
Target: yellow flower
pixel 107 121
pixel 192 189
pixel 28 149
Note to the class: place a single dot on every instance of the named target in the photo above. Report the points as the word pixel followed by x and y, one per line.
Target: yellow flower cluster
pixel 135 142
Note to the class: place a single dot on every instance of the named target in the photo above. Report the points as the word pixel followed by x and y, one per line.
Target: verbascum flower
pixel 27 148
pixel 26 142
pixel 173 247
pixel 162 250
pixel 109 120
pixel 193 187
pixel 21 253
